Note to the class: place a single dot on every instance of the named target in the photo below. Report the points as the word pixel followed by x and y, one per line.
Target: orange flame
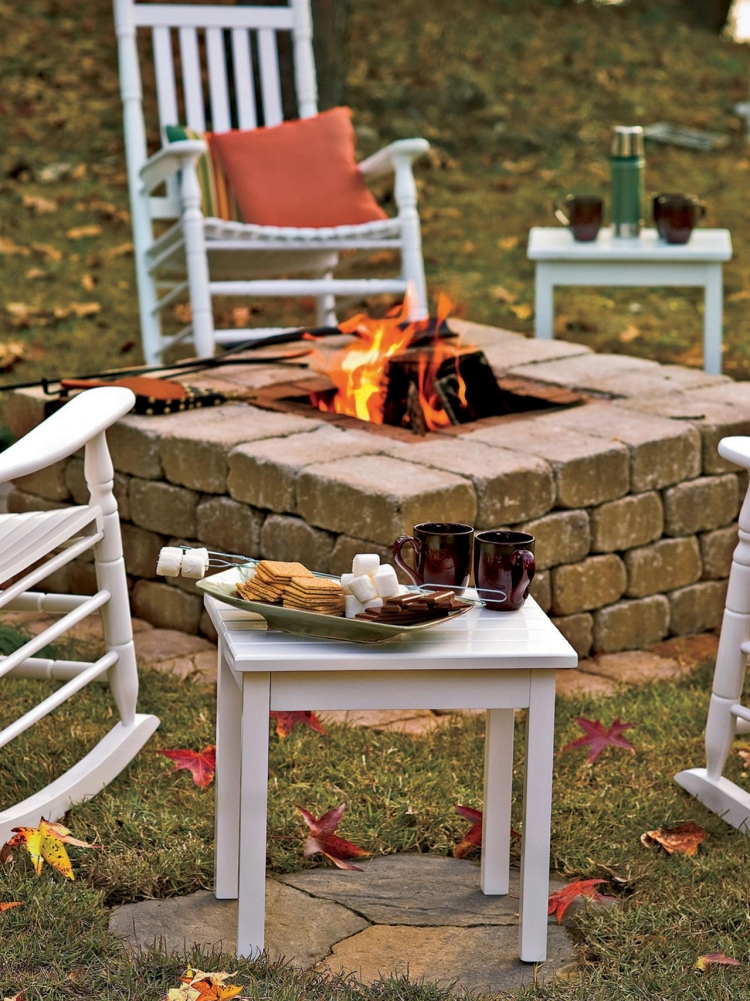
pixel 359 371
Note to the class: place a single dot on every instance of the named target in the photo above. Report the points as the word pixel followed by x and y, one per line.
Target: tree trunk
pixel 329 44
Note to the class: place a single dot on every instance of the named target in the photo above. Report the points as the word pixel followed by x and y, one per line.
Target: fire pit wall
pixel 633 509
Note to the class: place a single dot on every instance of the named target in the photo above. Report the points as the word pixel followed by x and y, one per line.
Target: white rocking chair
pixel 34 545
pixel 206 256
pixel 726 716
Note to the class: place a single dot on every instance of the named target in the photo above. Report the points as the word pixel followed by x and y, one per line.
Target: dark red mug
pixel 442 551
pixel 583 214
pixel 676 216
pixel 503 565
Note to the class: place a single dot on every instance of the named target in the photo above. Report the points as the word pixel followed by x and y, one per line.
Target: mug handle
pixel 560 216
pixel 398 545
pixel 524 559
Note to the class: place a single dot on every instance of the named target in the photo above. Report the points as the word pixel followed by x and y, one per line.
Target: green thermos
pixel 628 165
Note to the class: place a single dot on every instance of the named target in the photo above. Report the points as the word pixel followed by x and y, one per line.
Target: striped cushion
pixel 218 201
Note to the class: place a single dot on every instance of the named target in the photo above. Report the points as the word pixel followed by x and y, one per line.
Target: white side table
pixel 648 260
pixel 498 661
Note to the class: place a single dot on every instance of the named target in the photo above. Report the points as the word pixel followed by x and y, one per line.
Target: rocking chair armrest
pixel 67 430
pixel 170 159
pixel 387 159
pixel 736 449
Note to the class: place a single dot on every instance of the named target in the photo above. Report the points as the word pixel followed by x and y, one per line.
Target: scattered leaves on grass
pixel 710 959
pixel 508 243
pixel 629 334
pixel 598 738
pixel 473 837
pixel 121 250
pixel 24 315
pixel 286 721
pixel 16 997
pixel 81 232
pixel 9 246
pixel 200 764
pixel 47 251
pixel 324 840
pixel 560 900
pixel 200 986
pixel 11 352
pixel 500 294
pixel 45 844
pixel 523 311
pixel 683 839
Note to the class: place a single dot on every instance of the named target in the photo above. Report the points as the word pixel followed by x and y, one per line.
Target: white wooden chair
pixel 34 545
pixel 726 716
pixel 206 256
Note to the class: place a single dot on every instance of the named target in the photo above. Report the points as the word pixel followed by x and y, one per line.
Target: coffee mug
pixel 584 216
pixel 676 216
pixel 442 551
pixel 504 563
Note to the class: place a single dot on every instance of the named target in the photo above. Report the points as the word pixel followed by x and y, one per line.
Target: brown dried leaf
pixel 9 246
pixel 11 352
pixel 630 333
pixel 88 282
pixel 241 316
pixel 683 839
pixel 500 294
pixel 523 311
pixel 508 243
pixel 33 273
pixel 80 232
pixel 119 251
pixel 48 252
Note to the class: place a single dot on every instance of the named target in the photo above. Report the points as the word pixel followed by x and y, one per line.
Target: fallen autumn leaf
pixel 598 738
pixel 323 839
pixel 560 900
pixel 710 959
pixel 200 764
pixel 683 839
pixel 45 844
pixel 286 721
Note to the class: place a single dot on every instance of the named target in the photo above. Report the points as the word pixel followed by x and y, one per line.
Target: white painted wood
pixel 221 119
pixel 498 788
pixel 270 82
pixel 709 785
pixel 497 661
pixel 192 84
pixel 26 542
pixel 228 774
pixel 243 79
pixel 295 249
pixel 537 813
pixel 647 261
pixel 253 809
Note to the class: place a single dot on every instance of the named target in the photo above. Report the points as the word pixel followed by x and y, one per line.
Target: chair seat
pixel 26 538
pixel 378 229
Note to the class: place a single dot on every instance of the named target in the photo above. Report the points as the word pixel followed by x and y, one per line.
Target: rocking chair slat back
pixel 244 87
pixel 269 75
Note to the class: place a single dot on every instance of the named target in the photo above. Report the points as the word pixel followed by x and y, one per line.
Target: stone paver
pixel 636 667
pixel 574 684
pixel 420 914
pixel 177 653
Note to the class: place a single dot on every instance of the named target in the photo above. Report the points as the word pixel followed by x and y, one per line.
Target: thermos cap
pixel 627 140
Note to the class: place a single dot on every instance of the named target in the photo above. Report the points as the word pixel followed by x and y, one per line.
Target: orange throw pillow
pixel 299 173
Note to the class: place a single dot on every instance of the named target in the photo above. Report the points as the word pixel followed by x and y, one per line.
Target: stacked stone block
pixel 633 510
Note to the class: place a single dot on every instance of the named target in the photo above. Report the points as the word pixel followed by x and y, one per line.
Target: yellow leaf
pixel 79 232
pixel 508 243
pixel 184 993
pixel 82 309
pixel 88 282
pixel 47 251
pixel 33 273
pixel 119 251
pixel 500 294
pixel 630 333
pixel 522 311
pixel 739 296
pixel 42 206
pixel 9 246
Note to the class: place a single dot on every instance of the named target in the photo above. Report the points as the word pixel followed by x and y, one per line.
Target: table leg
pixel 498 786
pixel 251 914
pixel 544 301
pixel 228 749
pixel 712 320
pixel 537 809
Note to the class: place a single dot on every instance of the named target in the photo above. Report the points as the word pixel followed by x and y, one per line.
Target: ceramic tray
pixel 292 620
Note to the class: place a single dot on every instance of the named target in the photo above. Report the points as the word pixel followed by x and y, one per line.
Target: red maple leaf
pixel 561 900
pixel 715 959
pixel 473 837
pixel 200 764
pixel 324 840
pixel 599 738
pixel 286 721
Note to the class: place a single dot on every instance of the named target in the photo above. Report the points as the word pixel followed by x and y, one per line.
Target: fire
pixel 359 372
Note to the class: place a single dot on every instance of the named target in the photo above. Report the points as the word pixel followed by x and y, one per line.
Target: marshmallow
pixel 352 606
pixel 374 603
pixel 365 563
pixel 170 561
pixel 385 581
pixel 363 588
pixel 346 579
pixel 195 563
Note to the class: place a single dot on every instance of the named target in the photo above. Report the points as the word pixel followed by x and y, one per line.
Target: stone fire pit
pixel 633 509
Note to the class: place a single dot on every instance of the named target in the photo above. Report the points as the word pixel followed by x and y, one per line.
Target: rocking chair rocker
pixel 726 716
pixel 202 257
pixel 35 544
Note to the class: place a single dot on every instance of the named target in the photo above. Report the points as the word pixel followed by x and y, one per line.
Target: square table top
pixel 556 243
pixel 477 639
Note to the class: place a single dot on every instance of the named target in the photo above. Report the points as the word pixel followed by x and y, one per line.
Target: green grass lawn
pixel 518 100
pixel 400 790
